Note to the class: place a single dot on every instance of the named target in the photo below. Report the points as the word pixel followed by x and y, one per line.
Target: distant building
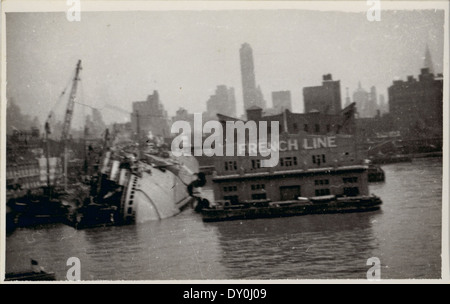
pixel 16 120
pixel 260 98
pixel 309 123
pixel 25 162
pixel 372 105
pixel 427 61
pixel 223 101
pixel 281 101
pixel 417 105
pixel 366 102
pixel 183 114
pixel 360 98
pixel 122 128
pixel 382 105
pixel 347 98
pixel 95 126
pixel 325 99
pixel 251 94
pixel 150 116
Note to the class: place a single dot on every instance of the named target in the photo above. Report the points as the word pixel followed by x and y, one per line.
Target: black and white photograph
pixel 231 141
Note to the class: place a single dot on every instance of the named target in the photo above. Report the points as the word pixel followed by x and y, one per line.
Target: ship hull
pixel 158 190
pixel 156 195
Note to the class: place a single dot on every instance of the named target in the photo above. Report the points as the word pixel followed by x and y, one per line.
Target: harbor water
pixel 405 235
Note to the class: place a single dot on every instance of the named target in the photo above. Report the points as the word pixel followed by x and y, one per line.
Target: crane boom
pixel 70 105
pixel 68 119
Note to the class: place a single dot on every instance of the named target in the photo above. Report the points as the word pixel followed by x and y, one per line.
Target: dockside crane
pixel 68 119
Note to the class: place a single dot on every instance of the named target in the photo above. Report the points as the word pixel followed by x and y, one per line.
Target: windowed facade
pixel 320 182
pixel 258 187
pixel 230 189
pixel 350 180
pixel 258 191
pixel 288 161
pixel 256 163
pixel 319 159
pixel 316 164
pixel 351 191
pixel 321 192
pixel 230 165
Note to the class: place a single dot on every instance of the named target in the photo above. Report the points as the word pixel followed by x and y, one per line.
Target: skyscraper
pixel 371 109
pixel 252 96
pixel 427 62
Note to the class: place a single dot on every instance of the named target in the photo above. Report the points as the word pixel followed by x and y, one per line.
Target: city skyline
pixel 127 59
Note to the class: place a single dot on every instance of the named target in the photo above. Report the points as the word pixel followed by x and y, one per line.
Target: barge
pixel 303 206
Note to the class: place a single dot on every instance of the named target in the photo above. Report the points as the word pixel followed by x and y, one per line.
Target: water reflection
pixel 313 246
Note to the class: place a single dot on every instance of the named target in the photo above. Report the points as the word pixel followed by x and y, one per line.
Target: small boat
pixel 225 210
pixel 36 209
pixel 37 273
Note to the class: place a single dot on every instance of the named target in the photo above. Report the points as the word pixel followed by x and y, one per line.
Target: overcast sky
pixel 184 55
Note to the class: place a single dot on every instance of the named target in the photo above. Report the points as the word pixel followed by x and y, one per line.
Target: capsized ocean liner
pixel 130 190
pixel 136 181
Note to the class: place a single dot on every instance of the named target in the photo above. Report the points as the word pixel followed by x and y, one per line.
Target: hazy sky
pixel 186 54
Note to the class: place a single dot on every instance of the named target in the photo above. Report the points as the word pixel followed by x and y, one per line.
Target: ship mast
pixel 68 119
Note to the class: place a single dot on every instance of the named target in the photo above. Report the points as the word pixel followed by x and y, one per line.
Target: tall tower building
pixel 427 62
pixel 371 109
pixel 260 98
pixel 249 90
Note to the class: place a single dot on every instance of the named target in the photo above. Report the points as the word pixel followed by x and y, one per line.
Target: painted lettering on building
pixel 291 144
